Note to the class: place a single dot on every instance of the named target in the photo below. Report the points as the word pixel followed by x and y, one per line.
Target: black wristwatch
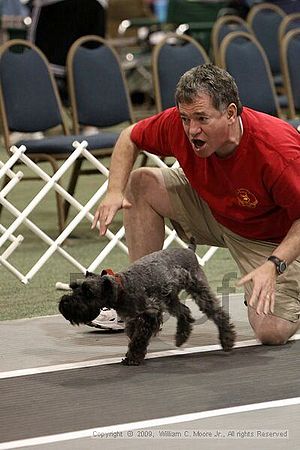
pixel 279 264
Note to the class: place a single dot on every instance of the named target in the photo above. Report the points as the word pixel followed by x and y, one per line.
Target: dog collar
pixel 113 274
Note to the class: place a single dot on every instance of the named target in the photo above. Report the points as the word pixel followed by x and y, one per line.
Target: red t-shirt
pixel 255 192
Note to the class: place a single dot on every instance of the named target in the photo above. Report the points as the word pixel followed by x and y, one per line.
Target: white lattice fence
pixel 7 235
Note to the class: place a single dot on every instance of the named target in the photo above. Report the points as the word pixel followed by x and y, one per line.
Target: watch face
pixel 282 266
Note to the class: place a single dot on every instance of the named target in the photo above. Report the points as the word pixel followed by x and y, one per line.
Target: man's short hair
pixel 212 80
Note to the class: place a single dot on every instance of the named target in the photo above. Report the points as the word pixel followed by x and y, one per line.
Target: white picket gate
pixel 21 217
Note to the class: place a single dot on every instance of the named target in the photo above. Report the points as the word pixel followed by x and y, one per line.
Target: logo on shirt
pixel 246 198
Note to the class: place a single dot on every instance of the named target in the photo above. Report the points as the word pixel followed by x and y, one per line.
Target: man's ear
pixel 231 112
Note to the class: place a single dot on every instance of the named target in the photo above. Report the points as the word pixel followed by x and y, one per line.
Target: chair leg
pixel 6 179
pixel 60 208
pixel 59 199
pixel 72 184
pixel 60 212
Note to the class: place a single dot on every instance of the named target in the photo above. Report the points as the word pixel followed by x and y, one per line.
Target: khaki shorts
pixel 195 219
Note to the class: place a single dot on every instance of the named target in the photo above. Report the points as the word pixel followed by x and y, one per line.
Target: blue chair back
pixel 230 28
pixel 223 26
pixel 29 98
pixel 98 91
pixel 244 58
pixel 289 22
pixel 172 57
pixel 290 54
pixel 265 20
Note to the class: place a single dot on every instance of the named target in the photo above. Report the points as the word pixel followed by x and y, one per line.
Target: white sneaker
pixel 89 131
pixel 16 136
pixel 108 320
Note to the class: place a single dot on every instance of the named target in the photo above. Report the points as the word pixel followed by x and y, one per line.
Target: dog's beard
pixel 76 311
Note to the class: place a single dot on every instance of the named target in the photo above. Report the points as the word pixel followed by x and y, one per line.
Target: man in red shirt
pixel 238 187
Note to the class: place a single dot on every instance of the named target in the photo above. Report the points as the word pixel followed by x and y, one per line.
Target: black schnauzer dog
pixel 142 293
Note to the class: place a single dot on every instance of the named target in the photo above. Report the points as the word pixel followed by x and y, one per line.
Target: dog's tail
pixel 192 245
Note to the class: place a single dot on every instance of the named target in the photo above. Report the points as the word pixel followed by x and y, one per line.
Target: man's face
pixel 207 129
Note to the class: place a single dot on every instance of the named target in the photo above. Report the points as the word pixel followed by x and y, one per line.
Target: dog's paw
pixel 130 362
pixel 180 339
pixel 227 340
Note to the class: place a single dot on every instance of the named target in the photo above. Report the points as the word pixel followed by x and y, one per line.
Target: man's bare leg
pixel 144 221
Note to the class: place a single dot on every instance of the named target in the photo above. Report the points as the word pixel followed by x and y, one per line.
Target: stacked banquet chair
pixel 222 26
pixel 290 60
pixel 289 22
pixel 265 19
pixel 244 58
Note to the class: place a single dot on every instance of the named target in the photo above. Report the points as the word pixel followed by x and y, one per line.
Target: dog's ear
pixel 107 285
pixel 103 272
pixel 109 290
pixel 74 285
pixel 86 289
pixel 89 274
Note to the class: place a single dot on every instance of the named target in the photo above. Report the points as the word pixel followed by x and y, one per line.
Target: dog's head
pixel 88 296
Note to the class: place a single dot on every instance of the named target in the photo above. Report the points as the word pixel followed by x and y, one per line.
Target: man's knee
pixel 140 180
pixel 271 330
pixel 275 331
pixel 146 188
pixel 271 337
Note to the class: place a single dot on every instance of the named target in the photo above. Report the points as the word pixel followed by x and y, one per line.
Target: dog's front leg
pixel 139 331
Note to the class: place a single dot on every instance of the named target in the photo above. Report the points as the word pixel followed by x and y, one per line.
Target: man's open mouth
pixel 198 143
